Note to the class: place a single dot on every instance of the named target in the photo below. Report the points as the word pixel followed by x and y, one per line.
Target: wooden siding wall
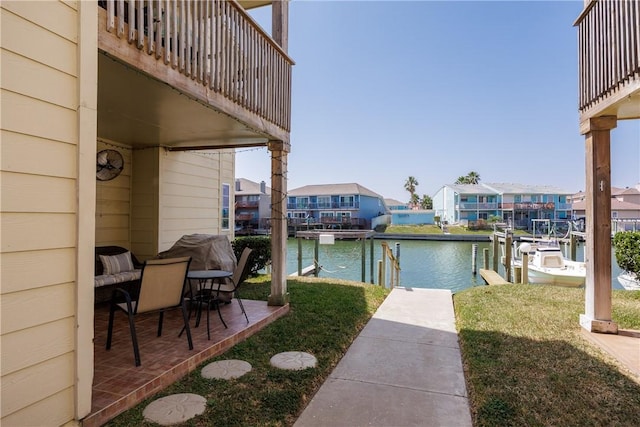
pixel 38 175
pixel 113 203
pixel 144 213
pixel 190 193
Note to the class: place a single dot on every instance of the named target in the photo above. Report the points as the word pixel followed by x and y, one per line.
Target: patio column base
pixel 278 300
pixel 600 326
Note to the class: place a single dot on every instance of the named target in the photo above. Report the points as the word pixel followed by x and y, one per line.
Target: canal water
pixel 423 263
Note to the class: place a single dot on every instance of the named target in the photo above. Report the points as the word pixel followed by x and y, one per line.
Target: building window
pixel 614 214
pixel 224 215
pixel 346 201
pixel 302 203
pixel 324 202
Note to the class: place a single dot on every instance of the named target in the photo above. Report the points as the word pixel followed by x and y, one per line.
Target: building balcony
pixel 609 63
pixel 189 75
pixel 478 206
pixel 245 217
pixel 247 205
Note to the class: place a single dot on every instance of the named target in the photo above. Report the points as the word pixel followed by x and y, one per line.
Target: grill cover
pixel 207 252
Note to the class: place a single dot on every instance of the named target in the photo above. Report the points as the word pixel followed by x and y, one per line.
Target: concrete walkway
pixel 404 369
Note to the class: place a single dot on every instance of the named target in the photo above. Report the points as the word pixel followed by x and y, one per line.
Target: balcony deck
pixel 119 385
pixel 188 75
pixel 609 59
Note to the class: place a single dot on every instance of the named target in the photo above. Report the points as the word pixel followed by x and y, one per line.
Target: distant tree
pixel 426 202
pixel 473 177
pixel 415 200
pixel 470 178
pixel 461 180
pixel 410 185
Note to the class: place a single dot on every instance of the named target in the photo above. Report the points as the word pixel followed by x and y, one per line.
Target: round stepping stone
pixel 226 369
pixel 294 360
pixel 175 408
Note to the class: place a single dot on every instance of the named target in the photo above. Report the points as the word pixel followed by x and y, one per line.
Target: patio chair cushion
pixel 114 279
pixel 114 264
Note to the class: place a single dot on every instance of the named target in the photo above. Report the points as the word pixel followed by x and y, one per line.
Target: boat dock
pixel 493 278
pixel 309 270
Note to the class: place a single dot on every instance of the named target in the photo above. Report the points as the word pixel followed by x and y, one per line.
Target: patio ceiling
pixel 140 111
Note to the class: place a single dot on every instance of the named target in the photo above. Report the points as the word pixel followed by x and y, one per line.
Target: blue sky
pixel 383 90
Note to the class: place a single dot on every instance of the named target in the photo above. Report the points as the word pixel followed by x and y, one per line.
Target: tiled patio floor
pixel 119 385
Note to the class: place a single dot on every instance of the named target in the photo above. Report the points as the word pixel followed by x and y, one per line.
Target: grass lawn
pixel 527 364
pixel 324 319
pixel 525 361
pixel 433 229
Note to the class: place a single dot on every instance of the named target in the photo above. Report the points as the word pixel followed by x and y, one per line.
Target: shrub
pixel 261 255
pixel 627 246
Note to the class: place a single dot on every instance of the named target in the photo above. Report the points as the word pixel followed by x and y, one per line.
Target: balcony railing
pixel 247 204
pixel 314 206
pixel 609 48
pixel 214 42
pixel 478 206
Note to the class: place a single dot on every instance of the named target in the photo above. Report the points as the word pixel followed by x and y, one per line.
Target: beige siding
pixel 190 194
pixel 113 203
pixel 39 212
pixel 144 216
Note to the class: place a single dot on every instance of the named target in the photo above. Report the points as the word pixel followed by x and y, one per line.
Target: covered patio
pixel 119 385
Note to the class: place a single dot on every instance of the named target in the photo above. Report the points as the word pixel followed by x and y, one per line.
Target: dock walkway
pixel 403 369
pixel 493 278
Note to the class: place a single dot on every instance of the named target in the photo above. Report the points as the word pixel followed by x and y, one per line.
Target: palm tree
pixel 415 200
pixel 410 185
pixel 461 180
pixel 426 202
pixel 473 177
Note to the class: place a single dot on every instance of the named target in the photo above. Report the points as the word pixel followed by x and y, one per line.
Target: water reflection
pixel 424 263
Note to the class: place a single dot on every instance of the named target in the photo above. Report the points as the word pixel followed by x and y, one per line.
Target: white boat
pixel 547 265
pixel 628 281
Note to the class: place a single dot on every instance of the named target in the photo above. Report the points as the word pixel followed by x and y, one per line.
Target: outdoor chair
pixel 239 275
pixel 162 287
pixel 211 297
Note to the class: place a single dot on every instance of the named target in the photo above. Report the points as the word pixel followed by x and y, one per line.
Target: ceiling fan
pixel 109 164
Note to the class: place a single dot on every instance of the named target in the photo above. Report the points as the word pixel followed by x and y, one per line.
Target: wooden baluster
pixel 120 18
pixel 132 22
pixel 140 24
pixel 111 20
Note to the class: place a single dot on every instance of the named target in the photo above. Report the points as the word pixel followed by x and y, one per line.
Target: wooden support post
pixel 280 23
pixel 384 264
pixel 485 258
pixel 525 268
pixel 573 247
pixel 508 245
pixel 279 150
pixel 380 273
pixel 363 260
pixel 517 274
pixel 371 258
pixel 300 256
pixel 597 316
pixel 496 252
pixel 316 254
pixel 474 258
